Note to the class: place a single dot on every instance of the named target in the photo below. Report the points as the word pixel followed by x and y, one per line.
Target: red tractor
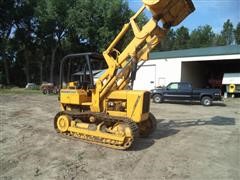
pixel 49 88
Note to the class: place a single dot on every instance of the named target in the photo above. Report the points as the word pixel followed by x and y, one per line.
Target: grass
pixel 16 90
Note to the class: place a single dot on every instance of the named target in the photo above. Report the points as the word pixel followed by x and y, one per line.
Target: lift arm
pixel 165 14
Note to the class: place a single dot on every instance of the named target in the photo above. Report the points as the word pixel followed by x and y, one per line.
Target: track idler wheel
pixel 148 126
pixel 63 123
pixel 124 130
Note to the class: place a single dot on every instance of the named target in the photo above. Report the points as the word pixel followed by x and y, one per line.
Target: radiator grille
pixel 146 102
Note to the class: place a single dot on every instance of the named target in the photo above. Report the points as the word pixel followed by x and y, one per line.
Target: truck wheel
pixel 157 98
pixel 55 91
pixel 44 91
pixel 206 101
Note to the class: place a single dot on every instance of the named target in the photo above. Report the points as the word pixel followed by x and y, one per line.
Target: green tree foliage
pixel 8 11
pixel 182 38
pixel 226 37
pixel 227 33
pixel 167 43
pixel 203 36
pixel 17 34
pixel 96 22
pixel 36 34
pixel 52 17
pixel 237 34
pixel 25 37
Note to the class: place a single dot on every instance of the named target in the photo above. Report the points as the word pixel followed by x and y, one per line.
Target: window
pixel 173 86
pixel 185 86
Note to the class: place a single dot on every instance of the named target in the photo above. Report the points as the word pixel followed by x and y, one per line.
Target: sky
pixel 211 12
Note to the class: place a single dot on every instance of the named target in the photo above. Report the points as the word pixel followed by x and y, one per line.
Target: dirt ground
pixel 191 142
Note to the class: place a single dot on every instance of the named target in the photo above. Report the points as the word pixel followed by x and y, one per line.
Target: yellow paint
pixel 110 84
pixel 110 94
pixel 96 134
pixel 74 96
pixel 117 113
pixel 145 39
pixel 232 88
pixel 134 104
pixel 63 123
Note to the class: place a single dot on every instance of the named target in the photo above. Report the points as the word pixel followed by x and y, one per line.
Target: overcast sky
pixel 212 12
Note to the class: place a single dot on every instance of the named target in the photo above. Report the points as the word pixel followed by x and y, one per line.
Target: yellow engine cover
pixel 74 96
pixel 136 104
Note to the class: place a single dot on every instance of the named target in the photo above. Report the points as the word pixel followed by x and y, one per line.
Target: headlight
pixel 111 104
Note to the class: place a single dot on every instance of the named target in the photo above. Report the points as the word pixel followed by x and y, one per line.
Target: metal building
pixel 203 67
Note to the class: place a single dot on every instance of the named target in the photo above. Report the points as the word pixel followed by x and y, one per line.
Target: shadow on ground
pixel 172 127
pixel 220 104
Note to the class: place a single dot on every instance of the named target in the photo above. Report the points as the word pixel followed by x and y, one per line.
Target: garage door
pixel 146 78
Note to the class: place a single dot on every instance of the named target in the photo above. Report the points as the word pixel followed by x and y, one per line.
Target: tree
pixel 227 33
pixel 237 33
pixel 36 33
pixel 167 43
pixel 182 37
pixel 25 35
pixel 7 9
pixel 141 20
pixel 96 22
pixel 203 36
pixel 219 40
pixel 25 50
pixel 52 18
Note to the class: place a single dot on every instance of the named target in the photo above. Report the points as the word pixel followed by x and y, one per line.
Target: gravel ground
pixel 191 142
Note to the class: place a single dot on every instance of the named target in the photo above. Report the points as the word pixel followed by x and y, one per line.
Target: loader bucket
pixel 170 12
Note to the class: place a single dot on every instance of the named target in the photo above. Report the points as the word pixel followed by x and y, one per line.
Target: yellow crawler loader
pixel 108 112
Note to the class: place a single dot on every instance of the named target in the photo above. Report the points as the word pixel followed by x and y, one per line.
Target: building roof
pixel 196 52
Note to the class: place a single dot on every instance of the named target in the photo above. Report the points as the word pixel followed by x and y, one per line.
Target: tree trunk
pixel 41 72
pixel 52 63
pixel 26 68
pixel 5 59
pixel 6 70
pixel 41 68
